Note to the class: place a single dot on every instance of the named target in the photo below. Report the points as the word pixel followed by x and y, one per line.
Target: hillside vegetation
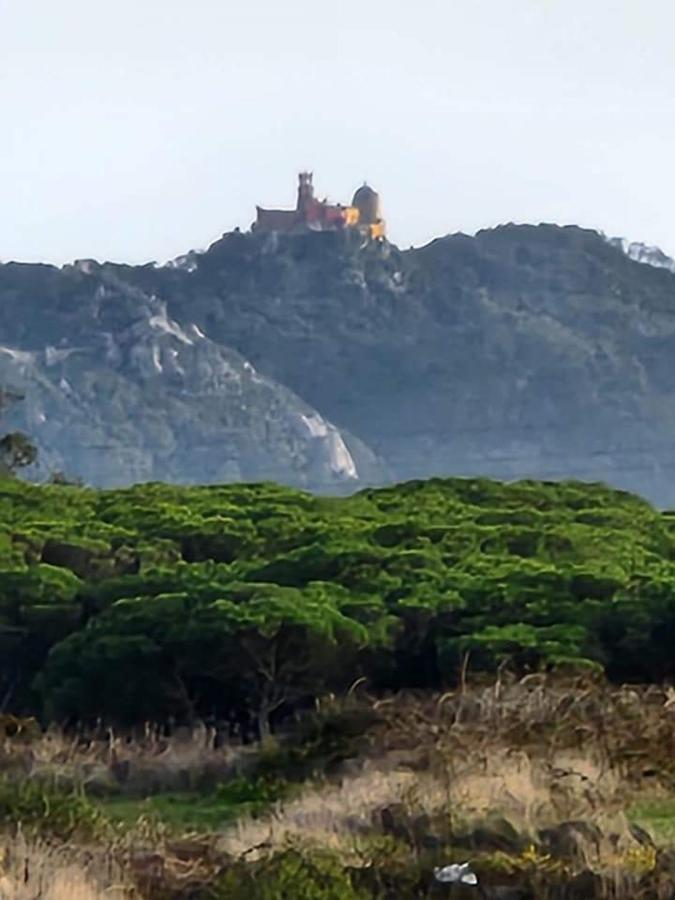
pixel 317 361
pixel 248 602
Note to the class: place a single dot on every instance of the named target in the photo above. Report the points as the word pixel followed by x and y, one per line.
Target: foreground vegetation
pixel 553 788
pixel 244 603
pixel 247 691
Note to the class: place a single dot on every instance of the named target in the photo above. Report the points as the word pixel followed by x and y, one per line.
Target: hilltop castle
pixel 310 214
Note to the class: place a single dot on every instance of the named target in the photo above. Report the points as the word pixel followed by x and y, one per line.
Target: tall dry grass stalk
pixel 37 870
pixel 143 763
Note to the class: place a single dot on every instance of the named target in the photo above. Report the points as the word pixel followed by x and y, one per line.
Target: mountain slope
pixel 523 351
pixel 124 393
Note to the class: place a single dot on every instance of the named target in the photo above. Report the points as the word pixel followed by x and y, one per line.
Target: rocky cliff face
pixel 116 391
pixel 319 361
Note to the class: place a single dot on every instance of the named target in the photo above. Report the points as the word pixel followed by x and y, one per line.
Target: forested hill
pixel 315 361
pixel 160 601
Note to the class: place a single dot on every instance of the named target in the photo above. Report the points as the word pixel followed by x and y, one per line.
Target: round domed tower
pixel 367 201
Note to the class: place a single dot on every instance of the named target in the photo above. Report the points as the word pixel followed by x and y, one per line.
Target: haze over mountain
pixel 324 361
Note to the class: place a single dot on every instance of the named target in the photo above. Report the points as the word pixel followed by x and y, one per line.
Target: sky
pixel 136 130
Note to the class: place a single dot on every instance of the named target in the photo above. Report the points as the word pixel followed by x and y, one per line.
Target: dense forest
pixel 171 603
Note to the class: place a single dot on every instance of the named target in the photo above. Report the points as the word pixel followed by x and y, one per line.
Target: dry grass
pixel 529 793
pixel 39 871
pixel 534 752
pixel 330 815
pixel 631 729
pixel 140 764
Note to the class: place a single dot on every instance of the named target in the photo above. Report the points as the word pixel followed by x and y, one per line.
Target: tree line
pixel 161 602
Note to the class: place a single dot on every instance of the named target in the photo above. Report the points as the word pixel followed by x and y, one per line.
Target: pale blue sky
pixel 138 129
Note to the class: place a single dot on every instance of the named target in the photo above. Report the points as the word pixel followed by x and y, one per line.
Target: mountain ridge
pixel 523 351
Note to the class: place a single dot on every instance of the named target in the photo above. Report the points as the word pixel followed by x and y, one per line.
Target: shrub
pixel 292 874
pixel 48 809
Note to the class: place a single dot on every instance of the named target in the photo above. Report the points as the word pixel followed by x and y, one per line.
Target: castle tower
pixel 305 191
pixel 367 201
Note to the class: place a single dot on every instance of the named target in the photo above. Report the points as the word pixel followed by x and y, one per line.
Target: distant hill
pixel 323 362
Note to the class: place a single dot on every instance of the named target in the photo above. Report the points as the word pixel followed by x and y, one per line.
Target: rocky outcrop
pixel 644 253
pixel 128 394
pixel 321 361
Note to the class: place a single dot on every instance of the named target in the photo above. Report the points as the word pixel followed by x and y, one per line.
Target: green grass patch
pixel 657 816
pixel 195 811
